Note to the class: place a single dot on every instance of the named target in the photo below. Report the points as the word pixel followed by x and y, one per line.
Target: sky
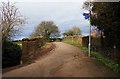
pixel 64 13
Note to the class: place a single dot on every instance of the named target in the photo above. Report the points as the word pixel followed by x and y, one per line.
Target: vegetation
pixel 11 54
pixel 10 17
pixel 47 29
pixel 19 43
pixel 32 38
pixel 55 39
pixel 73 31
pixel 105 60
pixel 105 16
pixel 10 20
pixel 108 21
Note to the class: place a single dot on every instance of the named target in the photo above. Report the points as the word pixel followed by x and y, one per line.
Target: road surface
pixel 63 61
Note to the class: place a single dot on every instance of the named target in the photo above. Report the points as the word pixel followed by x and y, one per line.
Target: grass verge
pixel 105 60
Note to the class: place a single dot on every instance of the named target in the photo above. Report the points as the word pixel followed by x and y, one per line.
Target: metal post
pixel 89 45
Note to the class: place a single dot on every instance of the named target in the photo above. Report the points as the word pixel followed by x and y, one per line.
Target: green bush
pixel 32 38
pixel 11 54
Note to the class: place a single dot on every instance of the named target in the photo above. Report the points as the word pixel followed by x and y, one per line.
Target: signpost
pixel 87 16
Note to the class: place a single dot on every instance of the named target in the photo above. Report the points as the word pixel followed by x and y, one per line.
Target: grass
pixel 46 45
pixel 105 60
pixel 18 43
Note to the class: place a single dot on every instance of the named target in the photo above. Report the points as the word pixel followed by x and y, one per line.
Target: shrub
pixel 11 54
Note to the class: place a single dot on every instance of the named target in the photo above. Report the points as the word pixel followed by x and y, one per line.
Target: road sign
pixel 86 15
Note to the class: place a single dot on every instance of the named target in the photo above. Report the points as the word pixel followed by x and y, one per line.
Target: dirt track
pixel 63 61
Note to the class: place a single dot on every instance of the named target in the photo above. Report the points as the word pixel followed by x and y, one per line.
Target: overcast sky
pixel 64 13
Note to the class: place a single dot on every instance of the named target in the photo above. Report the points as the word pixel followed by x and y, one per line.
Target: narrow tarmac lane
pixel 63 61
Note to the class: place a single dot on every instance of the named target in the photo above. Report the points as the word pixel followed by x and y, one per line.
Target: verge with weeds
pixel 105 60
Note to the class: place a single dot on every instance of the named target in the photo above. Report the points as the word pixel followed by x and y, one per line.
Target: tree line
pixel 48 29
pixel 73 31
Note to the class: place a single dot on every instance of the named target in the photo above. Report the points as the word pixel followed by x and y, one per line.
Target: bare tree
pixel 46 29
pixel 76 30
pixel 73 31
pixel 10 18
